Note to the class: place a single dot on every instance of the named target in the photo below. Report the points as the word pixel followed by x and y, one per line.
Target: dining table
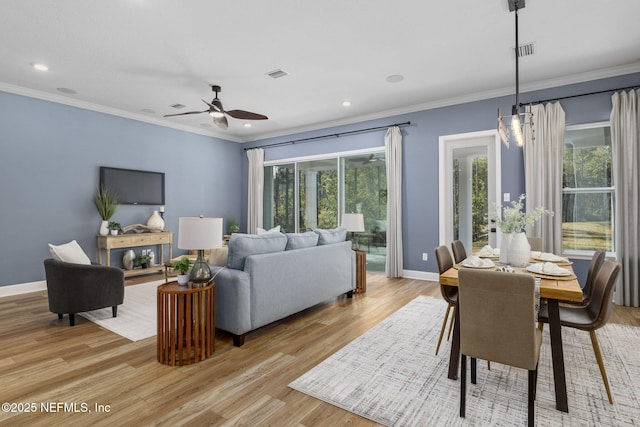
pixel 554 290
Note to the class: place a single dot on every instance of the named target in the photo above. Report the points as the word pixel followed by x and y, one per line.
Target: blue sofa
pixel 272 276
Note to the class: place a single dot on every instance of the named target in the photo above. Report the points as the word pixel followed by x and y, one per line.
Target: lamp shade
pixel 353 222
pixel 199 233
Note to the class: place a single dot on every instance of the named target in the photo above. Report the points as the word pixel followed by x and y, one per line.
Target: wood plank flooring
pixel 46 362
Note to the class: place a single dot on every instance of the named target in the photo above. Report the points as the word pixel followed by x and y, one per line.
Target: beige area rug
pixel 392 376
pixel 136 318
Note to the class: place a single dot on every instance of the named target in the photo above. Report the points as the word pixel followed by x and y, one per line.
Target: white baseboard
pixel 23 288
pixel 420 275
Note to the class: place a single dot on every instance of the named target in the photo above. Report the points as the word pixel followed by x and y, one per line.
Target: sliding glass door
pixel 310 193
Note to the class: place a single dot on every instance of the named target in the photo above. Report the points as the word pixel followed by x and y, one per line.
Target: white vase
pixel 155 222
pixel 104 230
pixel 504 247
pixel 183 279
pixel 519 250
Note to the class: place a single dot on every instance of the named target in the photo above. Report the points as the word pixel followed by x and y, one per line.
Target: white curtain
pixel 543 150
pixel 256 189
pixel 625 137
pixel 393 149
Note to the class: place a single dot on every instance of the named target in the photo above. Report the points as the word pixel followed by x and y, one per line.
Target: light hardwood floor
pixel 43 360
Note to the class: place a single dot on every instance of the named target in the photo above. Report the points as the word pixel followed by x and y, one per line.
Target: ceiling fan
pixel 218 112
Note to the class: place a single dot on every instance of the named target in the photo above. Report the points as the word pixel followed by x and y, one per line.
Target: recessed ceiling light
pixel 395 78
pixel 346 103
pixel 247 125
pixel 148 111
pixel 66 90
pixel 39 67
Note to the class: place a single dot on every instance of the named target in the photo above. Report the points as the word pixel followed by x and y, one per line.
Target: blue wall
pixel 49 166
pixel 420 142
pixel 50 155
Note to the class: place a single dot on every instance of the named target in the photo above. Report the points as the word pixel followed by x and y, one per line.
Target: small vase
pixel 128 258
pixel 155 222
pixel 183 279
pixel 504 247
pixel 114 232
pixel 519 250
pixel 104 230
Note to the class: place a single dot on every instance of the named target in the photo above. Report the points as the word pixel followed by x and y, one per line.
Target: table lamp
pixel 353 222
pixel 199 233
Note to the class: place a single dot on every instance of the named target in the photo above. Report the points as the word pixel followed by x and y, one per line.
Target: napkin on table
pixel 474 261
pixel 488 251
pixel 553 269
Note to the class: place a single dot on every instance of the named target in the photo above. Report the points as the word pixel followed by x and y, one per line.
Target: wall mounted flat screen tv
pixel 134 187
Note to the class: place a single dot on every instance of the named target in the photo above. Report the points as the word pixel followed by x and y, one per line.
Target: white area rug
pixel 136 316
pixel 392 376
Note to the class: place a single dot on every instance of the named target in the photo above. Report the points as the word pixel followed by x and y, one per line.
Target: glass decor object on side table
pixel 353 222
pixel 200 233
pixel 515 248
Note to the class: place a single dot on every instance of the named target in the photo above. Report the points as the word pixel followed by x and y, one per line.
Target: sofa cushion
pixel 302 240
pixel 275 229
pixel 69 252
pixel 333 235
pixel 243 245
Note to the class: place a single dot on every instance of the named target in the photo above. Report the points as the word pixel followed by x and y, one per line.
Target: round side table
pixel 186 323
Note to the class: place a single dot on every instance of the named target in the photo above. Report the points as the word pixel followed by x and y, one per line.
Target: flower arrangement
pixel 514 219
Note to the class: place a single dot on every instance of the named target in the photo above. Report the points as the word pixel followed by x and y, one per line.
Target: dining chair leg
pixel 603 372
pixel 444 325
pixel 474 366
pixel 451 322
pixel 531 398
pixel 463 384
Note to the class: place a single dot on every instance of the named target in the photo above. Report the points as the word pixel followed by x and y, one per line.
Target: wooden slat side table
pixel 361 272
pixel 186 323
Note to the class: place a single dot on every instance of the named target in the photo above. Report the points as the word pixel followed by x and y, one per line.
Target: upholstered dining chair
pixel 594 315
pixel 594 267
pixel 459 252
pixel 535 243
pixel 449 293
pixel 498 323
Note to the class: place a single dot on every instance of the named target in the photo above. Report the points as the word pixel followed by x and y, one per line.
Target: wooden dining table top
pixel 559 289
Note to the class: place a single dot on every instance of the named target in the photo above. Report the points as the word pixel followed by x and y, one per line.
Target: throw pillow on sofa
pixel 275 229
pixel 302 240
pixel 69 252
pixel 333 235
pixel 243 245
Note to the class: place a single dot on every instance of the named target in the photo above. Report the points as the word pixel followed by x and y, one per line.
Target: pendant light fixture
pixel 516 123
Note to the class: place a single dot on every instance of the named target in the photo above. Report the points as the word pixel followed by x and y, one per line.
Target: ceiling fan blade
pixel 246 115
pixel 188 112
pixel 210 105
pixel 221 122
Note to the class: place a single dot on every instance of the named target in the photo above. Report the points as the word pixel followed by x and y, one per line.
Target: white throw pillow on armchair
pixel 69 252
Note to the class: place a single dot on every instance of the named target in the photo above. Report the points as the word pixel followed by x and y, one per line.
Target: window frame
pixel 587 254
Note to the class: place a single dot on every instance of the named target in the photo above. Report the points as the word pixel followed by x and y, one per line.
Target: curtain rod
pixel 332 135
pixel 577 96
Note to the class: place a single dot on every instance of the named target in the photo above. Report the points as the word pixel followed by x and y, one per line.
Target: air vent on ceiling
pixel 177 106
pixel 276 74
pixel 526 49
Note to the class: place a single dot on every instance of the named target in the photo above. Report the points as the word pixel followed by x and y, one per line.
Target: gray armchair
pixel 74 288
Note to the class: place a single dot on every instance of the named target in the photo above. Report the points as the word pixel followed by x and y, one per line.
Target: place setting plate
pixel 550 270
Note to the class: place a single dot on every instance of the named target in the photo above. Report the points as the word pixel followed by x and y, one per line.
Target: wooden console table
pixel 160 239
pixel 186 323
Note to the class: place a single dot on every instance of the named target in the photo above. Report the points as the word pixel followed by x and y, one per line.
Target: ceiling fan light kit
pixel 516 123
pixel 217 111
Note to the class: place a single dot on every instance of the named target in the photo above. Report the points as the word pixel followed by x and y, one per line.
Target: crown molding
pixel 445 102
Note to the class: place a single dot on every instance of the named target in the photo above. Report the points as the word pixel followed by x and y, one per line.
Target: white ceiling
pixel 123 56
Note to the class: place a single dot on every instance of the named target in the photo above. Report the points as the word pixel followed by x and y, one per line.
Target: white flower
pixel 514 219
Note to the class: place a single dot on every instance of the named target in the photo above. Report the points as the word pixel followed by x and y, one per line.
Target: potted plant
pixel 114 227
pixel 232 225
pixel 106 203
pixel 182 267
pixel 141 261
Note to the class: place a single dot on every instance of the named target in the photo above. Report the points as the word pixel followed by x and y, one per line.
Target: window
pixel 308 193
pixel 588 190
